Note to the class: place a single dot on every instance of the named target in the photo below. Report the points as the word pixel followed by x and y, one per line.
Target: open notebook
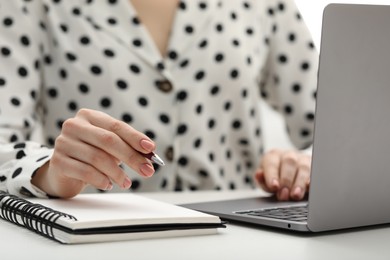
pixel 105 217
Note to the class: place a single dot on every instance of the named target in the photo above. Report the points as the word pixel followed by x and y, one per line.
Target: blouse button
pixel 169 153
pixel 164 86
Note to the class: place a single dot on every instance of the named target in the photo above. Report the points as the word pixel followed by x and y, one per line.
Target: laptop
pixel 350 175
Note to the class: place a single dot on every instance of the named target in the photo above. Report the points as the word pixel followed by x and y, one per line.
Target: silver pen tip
pixel 158 160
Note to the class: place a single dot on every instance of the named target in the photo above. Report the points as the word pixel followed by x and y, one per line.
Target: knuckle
pixel 60 141
pixel 304 168
pixel 83 112
pixel 69 125
pixel 274 151
pixel 107 139
pixel 290 158
pixel 97 158
pixel 115 126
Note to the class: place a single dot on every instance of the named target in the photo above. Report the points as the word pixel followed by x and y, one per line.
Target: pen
pixel 154 158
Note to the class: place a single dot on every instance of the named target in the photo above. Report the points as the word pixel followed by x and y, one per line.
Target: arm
pixel 21 43
pixel 289 86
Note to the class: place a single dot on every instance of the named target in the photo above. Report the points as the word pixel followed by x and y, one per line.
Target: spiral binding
pixel 33 216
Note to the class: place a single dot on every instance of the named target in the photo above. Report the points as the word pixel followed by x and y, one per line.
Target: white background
pixel 311 11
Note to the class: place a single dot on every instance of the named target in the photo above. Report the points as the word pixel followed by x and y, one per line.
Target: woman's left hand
pixel 285 173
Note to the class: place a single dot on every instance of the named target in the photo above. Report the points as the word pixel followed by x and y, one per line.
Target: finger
pixel 132 137
pixel 97 158
pixel 260 179
pixel 270 165
pixel 83 172
pixel 109 142
pixel 302 179
pixel 289 169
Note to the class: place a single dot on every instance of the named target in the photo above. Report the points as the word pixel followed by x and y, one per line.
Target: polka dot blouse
pixel 200 103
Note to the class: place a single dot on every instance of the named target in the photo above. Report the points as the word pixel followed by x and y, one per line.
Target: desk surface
pixel 234 242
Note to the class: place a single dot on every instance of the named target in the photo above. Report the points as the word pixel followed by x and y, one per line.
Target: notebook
pixel 350 173
pixel 105 217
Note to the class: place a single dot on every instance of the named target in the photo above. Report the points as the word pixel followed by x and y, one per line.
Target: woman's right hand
pixel 88 152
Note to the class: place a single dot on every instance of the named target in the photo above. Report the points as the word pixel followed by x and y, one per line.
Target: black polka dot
pixel 64 28
pixel 22 71
pixel 127 118
pixel 5 51
pixel 3 178
pixel 15 101
pixel 112 21
pixel 137 42
pixel 305 66
pixel 203 44
pixel 8 21
pixel 20 154
pixel 122 84
pixel 72 105
pixel 70 56
pixel 135 21
pixel 24 40
pixel 189 29
pixel 184 63
pixel 236 124
pixel 199 109
pixel 182 95
pixel 211 123
pixel 305 132
pixel 182 129
pixel 135 69
pixel 214 90
pixel 182 161
pixel 219 57
pixel 150 134
pixel 96 70
pixel 282 58
pixel 219 27
pixel 296 88
pixel 84 40
pixel 309 116
pixel 83 88
pixel 164 118
pixel 234 74
pixel 109 53
pixel 143 101
pixel 203 173
pixel 200 75
pixel 16 172
pixel 197 143
pixel 172 55
pixel 2 82
pixel 288 109
pixel 105 102
pixel 182 6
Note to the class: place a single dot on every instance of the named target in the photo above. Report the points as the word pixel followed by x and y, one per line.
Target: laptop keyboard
pixel 291 213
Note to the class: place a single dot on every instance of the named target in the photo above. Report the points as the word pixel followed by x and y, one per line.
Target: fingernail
pixel 284 194
pixel 109 186
pixel 126 183
pixel 275 183
pixel 297 194
pixel 147 169
pixel 147 145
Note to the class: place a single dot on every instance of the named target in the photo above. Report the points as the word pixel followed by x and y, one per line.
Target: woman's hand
pixel 286 173
pixel 88 152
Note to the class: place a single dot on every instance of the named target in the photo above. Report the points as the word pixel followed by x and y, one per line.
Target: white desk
pixel 235 242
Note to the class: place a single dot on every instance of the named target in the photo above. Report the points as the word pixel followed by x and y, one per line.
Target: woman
pixel 108 80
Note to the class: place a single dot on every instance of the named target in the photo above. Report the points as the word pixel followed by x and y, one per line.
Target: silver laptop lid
pixel 351 153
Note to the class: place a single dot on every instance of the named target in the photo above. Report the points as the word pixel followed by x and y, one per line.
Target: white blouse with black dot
pixel 200 103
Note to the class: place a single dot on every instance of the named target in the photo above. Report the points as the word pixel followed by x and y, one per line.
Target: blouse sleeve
pixel 22 42
pixel 289 78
